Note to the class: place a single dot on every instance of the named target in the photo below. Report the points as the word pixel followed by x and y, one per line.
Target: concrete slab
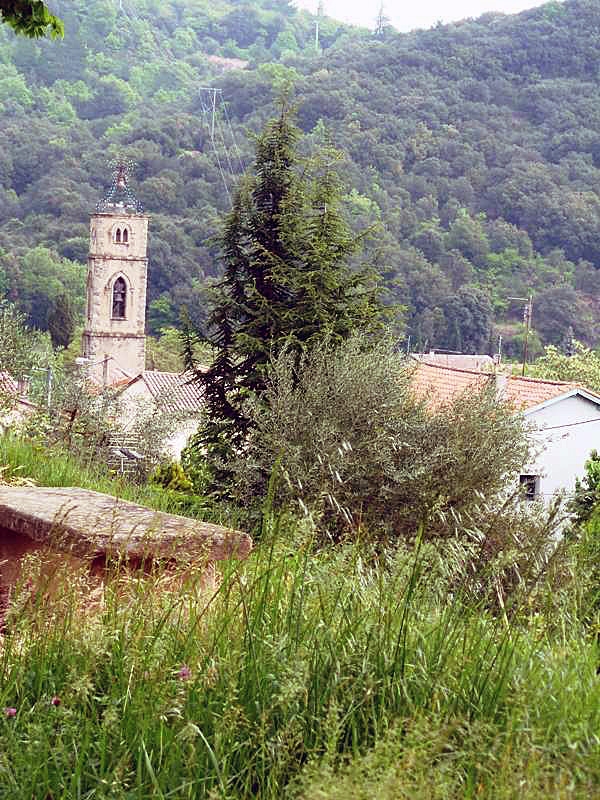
pixel 91 525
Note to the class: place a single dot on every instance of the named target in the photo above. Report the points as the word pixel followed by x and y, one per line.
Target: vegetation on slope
pixel 471 147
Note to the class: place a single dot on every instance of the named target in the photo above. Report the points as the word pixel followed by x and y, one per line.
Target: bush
pixel 509 556
pixel 583 365
pixel 170 475
pixel 587 491
pixel 359 450
pixel 587 549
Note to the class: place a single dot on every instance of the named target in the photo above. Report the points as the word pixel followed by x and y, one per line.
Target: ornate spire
pixel 120 197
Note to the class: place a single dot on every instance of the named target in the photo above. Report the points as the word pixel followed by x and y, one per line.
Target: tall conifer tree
pixel 286 282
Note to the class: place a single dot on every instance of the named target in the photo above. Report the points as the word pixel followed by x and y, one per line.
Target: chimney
pixel 105 369
pixel 23 386
pixel 500 384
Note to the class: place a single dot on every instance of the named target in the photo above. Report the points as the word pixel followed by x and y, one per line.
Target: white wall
pixel 137 398
pixel 565 449
pixel 178 440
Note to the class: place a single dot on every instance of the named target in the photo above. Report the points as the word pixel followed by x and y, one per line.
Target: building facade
pixel 114 340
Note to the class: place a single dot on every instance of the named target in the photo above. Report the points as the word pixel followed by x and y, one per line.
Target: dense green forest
pixel 472 153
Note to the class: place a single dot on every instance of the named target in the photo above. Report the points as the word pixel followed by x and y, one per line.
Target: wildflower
pixel 10 712
pixel 55 700
pixel 185 673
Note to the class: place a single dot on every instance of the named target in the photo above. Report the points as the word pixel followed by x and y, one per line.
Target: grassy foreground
pixel 307 676
pixel 303 676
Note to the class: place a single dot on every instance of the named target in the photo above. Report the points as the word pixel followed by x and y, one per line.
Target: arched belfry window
pixel 119 299
pixel 118 236
pixel 125 235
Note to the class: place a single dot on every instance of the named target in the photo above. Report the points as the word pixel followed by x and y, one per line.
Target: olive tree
pixel 356 446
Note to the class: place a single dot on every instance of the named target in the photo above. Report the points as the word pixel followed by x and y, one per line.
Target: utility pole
pixel 381 23
pixel 320 12
pixel 498 354
pixel 212 92
pixel 527 315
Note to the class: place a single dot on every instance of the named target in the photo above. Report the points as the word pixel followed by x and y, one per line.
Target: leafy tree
pixel 286 282
pixel 556 310
pixel 587 490
pixel 468 316
pixel 61 321
pixel 41 279
pixel 358 449
pixel 582 366
pixel 30 18
pixel 14 92
pixel 467 235
pixel 21 350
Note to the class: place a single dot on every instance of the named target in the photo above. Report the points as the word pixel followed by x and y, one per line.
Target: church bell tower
pixel 114 339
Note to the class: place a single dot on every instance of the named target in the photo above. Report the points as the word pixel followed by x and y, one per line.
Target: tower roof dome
pixel 120 198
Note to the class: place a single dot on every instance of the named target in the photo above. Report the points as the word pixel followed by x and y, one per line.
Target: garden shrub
pixel 171 475
pixel 356 447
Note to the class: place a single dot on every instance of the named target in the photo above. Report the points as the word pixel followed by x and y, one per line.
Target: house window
pixel 125 235
pixel 530 487
pixel 119 299
pixel 118 236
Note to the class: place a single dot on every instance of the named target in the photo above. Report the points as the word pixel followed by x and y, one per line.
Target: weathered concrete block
pixel 81 527
pixel 91 524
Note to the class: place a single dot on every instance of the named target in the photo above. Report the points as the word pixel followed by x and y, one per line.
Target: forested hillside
pixel 473 148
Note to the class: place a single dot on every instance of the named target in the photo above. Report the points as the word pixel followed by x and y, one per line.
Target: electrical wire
pixel 220 131
pixel 128 10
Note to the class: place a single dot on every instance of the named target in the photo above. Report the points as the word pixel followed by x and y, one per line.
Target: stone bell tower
pixel 114 340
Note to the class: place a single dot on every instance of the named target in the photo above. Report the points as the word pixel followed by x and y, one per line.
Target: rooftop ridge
pixel 453 369
pixel 531 379
pixel 527 378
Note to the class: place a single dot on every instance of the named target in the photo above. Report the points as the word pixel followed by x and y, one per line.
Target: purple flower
pixel 55 700
pixel 10 712
pixel 185 673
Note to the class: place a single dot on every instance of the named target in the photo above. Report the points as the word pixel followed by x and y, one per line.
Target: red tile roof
pixel 439 385
pixel 479 363
pixel 8 385
pixel 529 392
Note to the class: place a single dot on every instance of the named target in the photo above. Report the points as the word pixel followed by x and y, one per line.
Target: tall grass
pixel 21 458
pixel 281 682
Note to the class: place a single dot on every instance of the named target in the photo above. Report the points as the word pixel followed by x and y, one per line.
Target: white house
pixel 174 395
pixel 567 428
pixel 564 419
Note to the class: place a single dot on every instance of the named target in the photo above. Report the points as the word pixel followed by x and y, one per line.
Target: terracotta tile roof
pixel 173 391
pixel 8 385
pixel 529 392
pixel 439 385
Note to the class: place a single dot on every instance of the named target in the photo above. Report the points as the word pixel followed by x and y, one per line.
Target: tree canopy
pixel 286 283
pixel 472 149
pixel 30 18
